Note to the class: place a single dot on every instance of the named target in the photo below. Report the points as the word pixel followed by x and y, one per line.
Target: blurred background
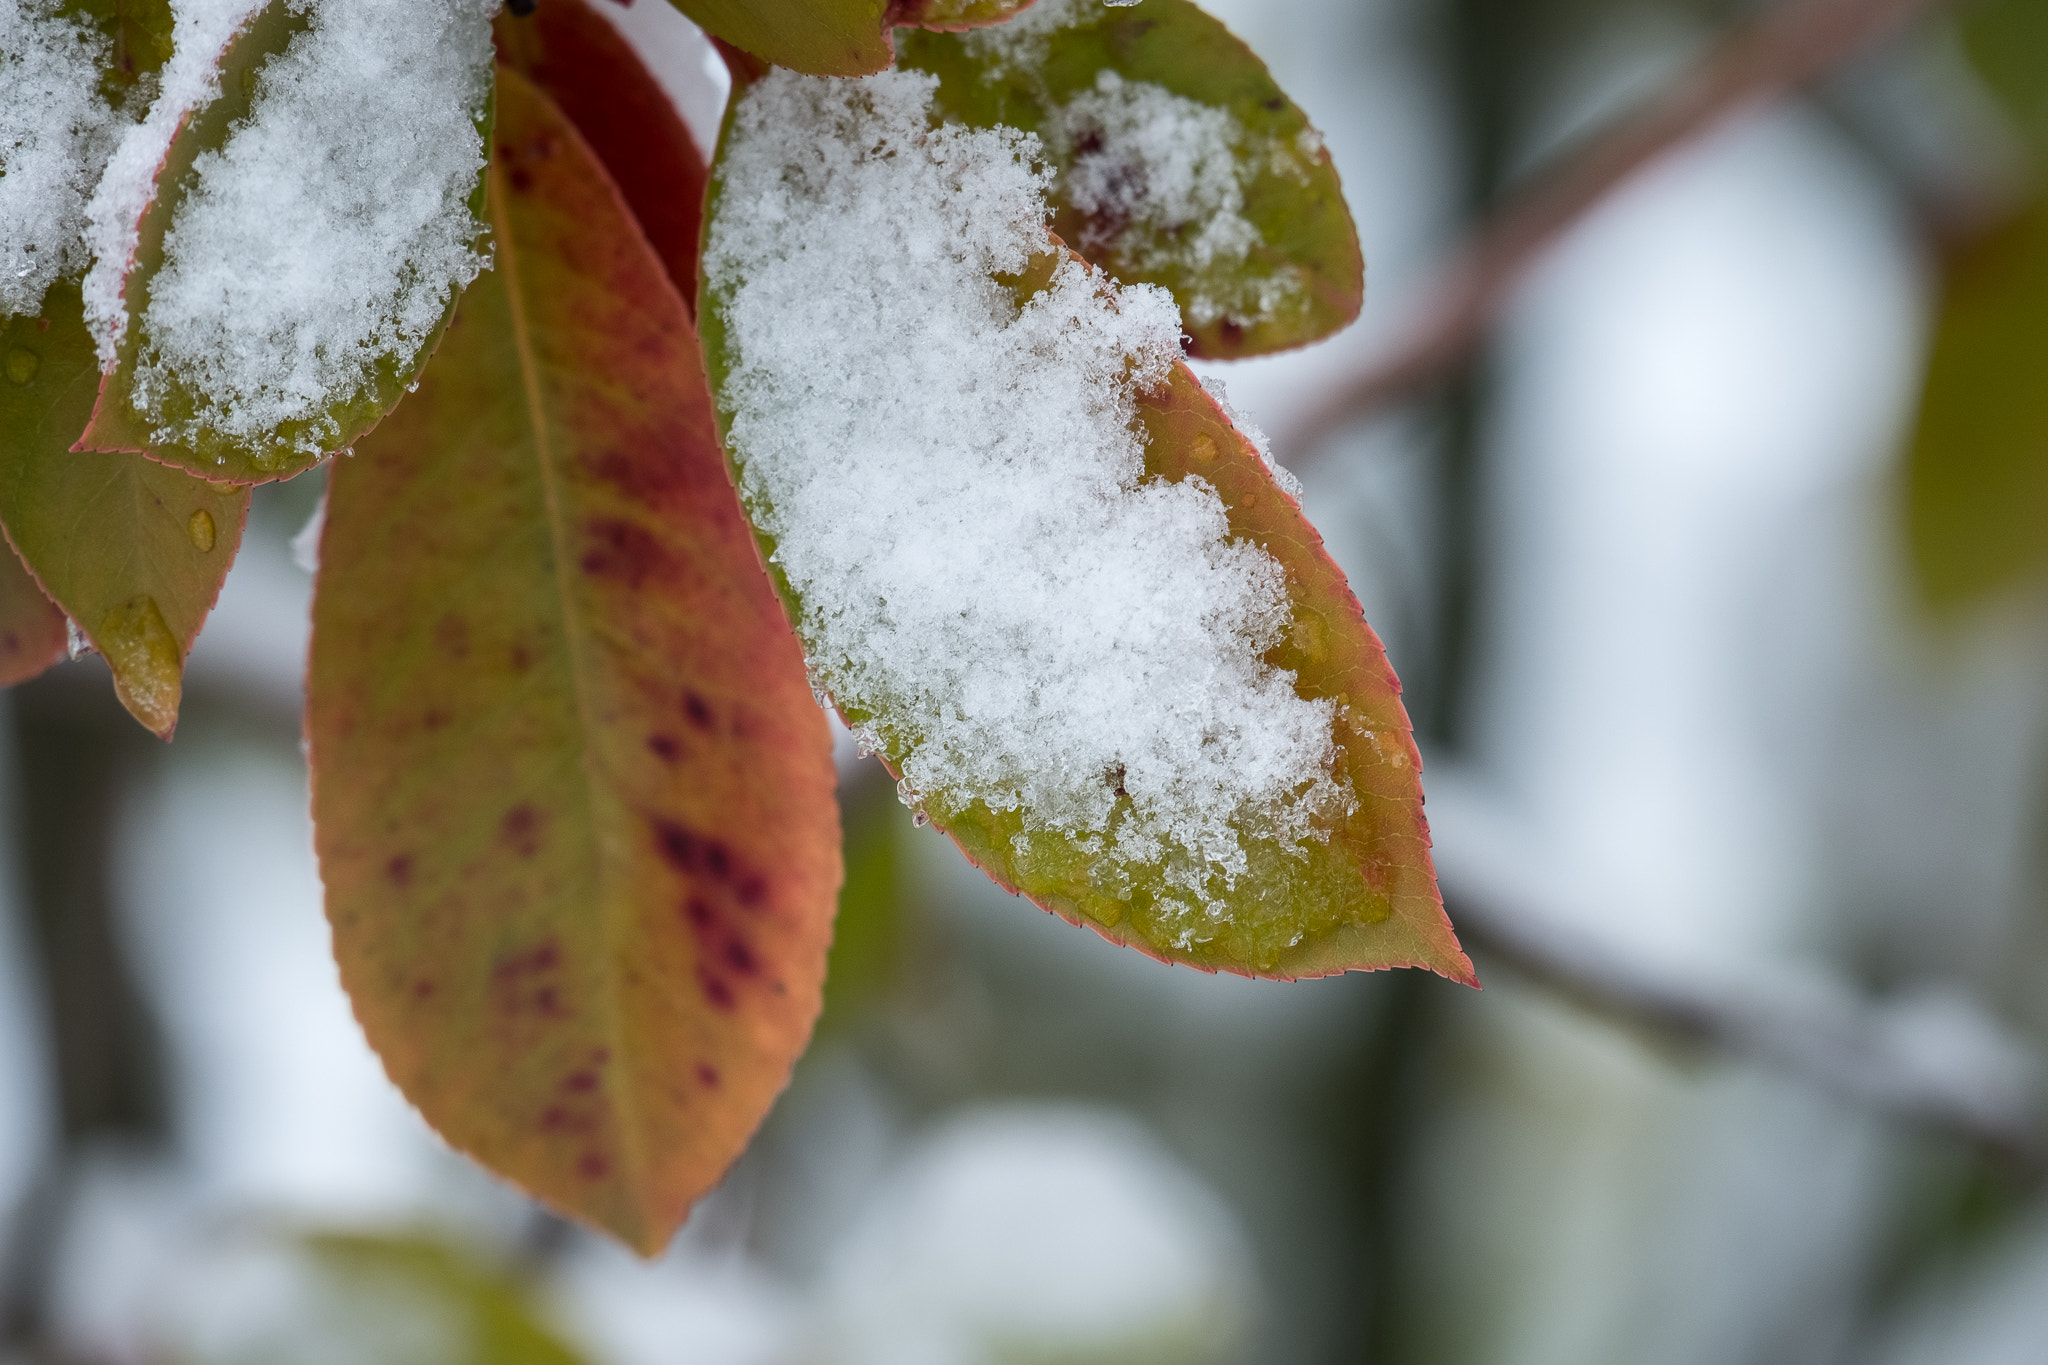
pixel 1712 569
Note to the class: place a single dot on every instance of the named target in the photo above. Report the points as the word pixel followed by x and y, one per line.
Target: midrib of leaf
pixel 536 408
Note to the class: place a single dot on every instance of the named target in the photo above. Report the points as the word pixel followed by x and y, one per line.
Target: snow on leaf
pixel 1178 162
pixel 311 228
pixel 134 551
pixel 572 794
pixel 1032 562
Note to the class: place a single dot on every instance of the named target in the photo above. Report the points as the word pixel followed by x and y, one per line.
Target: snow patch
pixel 56 130
pixel 991 586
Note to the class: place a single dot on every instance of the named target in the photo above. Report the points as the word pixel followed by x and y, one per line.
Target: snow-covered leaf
pixel 310 230
pixel 132 550
pixel 1035 565
pixel 598 81
pixel 572 796
pixel 1179 162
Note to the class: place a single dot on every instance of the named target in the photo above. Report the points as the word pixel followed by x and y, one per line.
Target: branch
pixel 1939 1063
pixel 1791 45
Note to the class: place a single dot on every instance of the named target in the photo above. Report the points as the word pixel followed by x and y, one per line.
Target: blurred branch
pixel 1793 44
pixel 1936 1061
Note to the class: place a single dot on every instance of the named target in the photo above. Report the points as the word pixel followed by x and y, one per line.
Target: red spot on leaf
pixel 698 710
pixel 398 870
pixel 717 990
pixel 622 550
pixel 593 1166
pixel 707 1075
pixel 424 988
pixel 522 829
pixel 451 633
pixel 435 718
pixel 522 658
pixel 580 1082
pixel 667 748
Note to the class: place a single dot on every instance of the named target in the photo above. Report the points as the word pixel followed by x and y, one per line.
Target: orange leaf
pixel 573 797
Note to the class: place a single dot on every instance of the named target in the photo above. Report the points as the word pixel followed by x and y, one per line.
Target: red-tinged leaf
pixel 600 84
pixel 1238 211
pixel 572 795
pixel 816 37
pixel 31 627
pixel 132 550
pixel 181 426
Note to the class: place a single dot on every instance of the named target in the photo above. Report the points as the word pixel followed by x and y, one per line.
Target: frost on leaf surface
pixel 326 236
pixel 56 130
pixel 987 582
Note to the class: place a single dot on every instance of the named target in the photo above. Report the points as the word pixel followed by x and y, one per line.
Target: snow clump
pixel 330 231
pixel 55 132
pixel 990 584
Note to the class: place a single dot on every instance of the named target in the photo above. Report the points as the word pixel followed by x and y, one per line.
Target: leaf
pixel 487 1316
pixel 1360 895
pixel 2007 41
pixel 1280 268
pixel 816 37
pixel 572 794
pixel 1976 474
pixel 32 635
pixel 954 16
pixel 132 550
pixel 600 84
pixel 117 422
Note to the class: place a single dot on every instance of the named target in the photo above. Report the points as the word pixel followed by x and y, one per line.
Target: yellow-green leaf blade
pixel 1238 211
pixel 816 37
pixel 1977 470
pixel 32 635
pixel 132 550
pixel 573 797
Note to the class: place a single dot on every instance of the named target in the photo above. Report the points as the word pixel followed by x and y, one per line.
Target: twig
pixel 1793 44
pixel 1938 1063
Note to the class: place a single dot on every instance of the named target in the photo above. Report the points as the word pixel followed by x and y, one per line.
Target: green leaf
pixel 1261 254
pixel 176 431
pixel 32 635
pixel 953 16
pixel 572 794
pixel 600 84
pixel 816 37
pixel 132 550
pixel 2007 41
pixel 1976 499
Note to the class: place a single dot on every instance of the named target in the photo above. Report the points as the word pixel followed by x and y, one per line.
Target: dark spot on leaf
pixel 642 479
pixel 544 956
pixel 1231 331
pixel 667 748
pixel 548 1004
pixel 522 659
pixel 715 987
pixel 1274 104
pixel 423 988
pixel 698 912
pixel 593 1166
pixel 451 633
pixel 1115 778
pixel 522 179
pixel 707 1075
pixel 741 957
pixel 698 710
pixel 749 890
pixel 522 828
pixel 580 1082
pixel 435 718
pixel 624 550
pixel 399 869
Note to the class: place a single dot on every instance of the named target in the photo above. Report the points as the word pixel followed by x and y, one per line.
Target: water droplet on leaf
pixel 22 364
pixel 200 528
pixel 148 665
